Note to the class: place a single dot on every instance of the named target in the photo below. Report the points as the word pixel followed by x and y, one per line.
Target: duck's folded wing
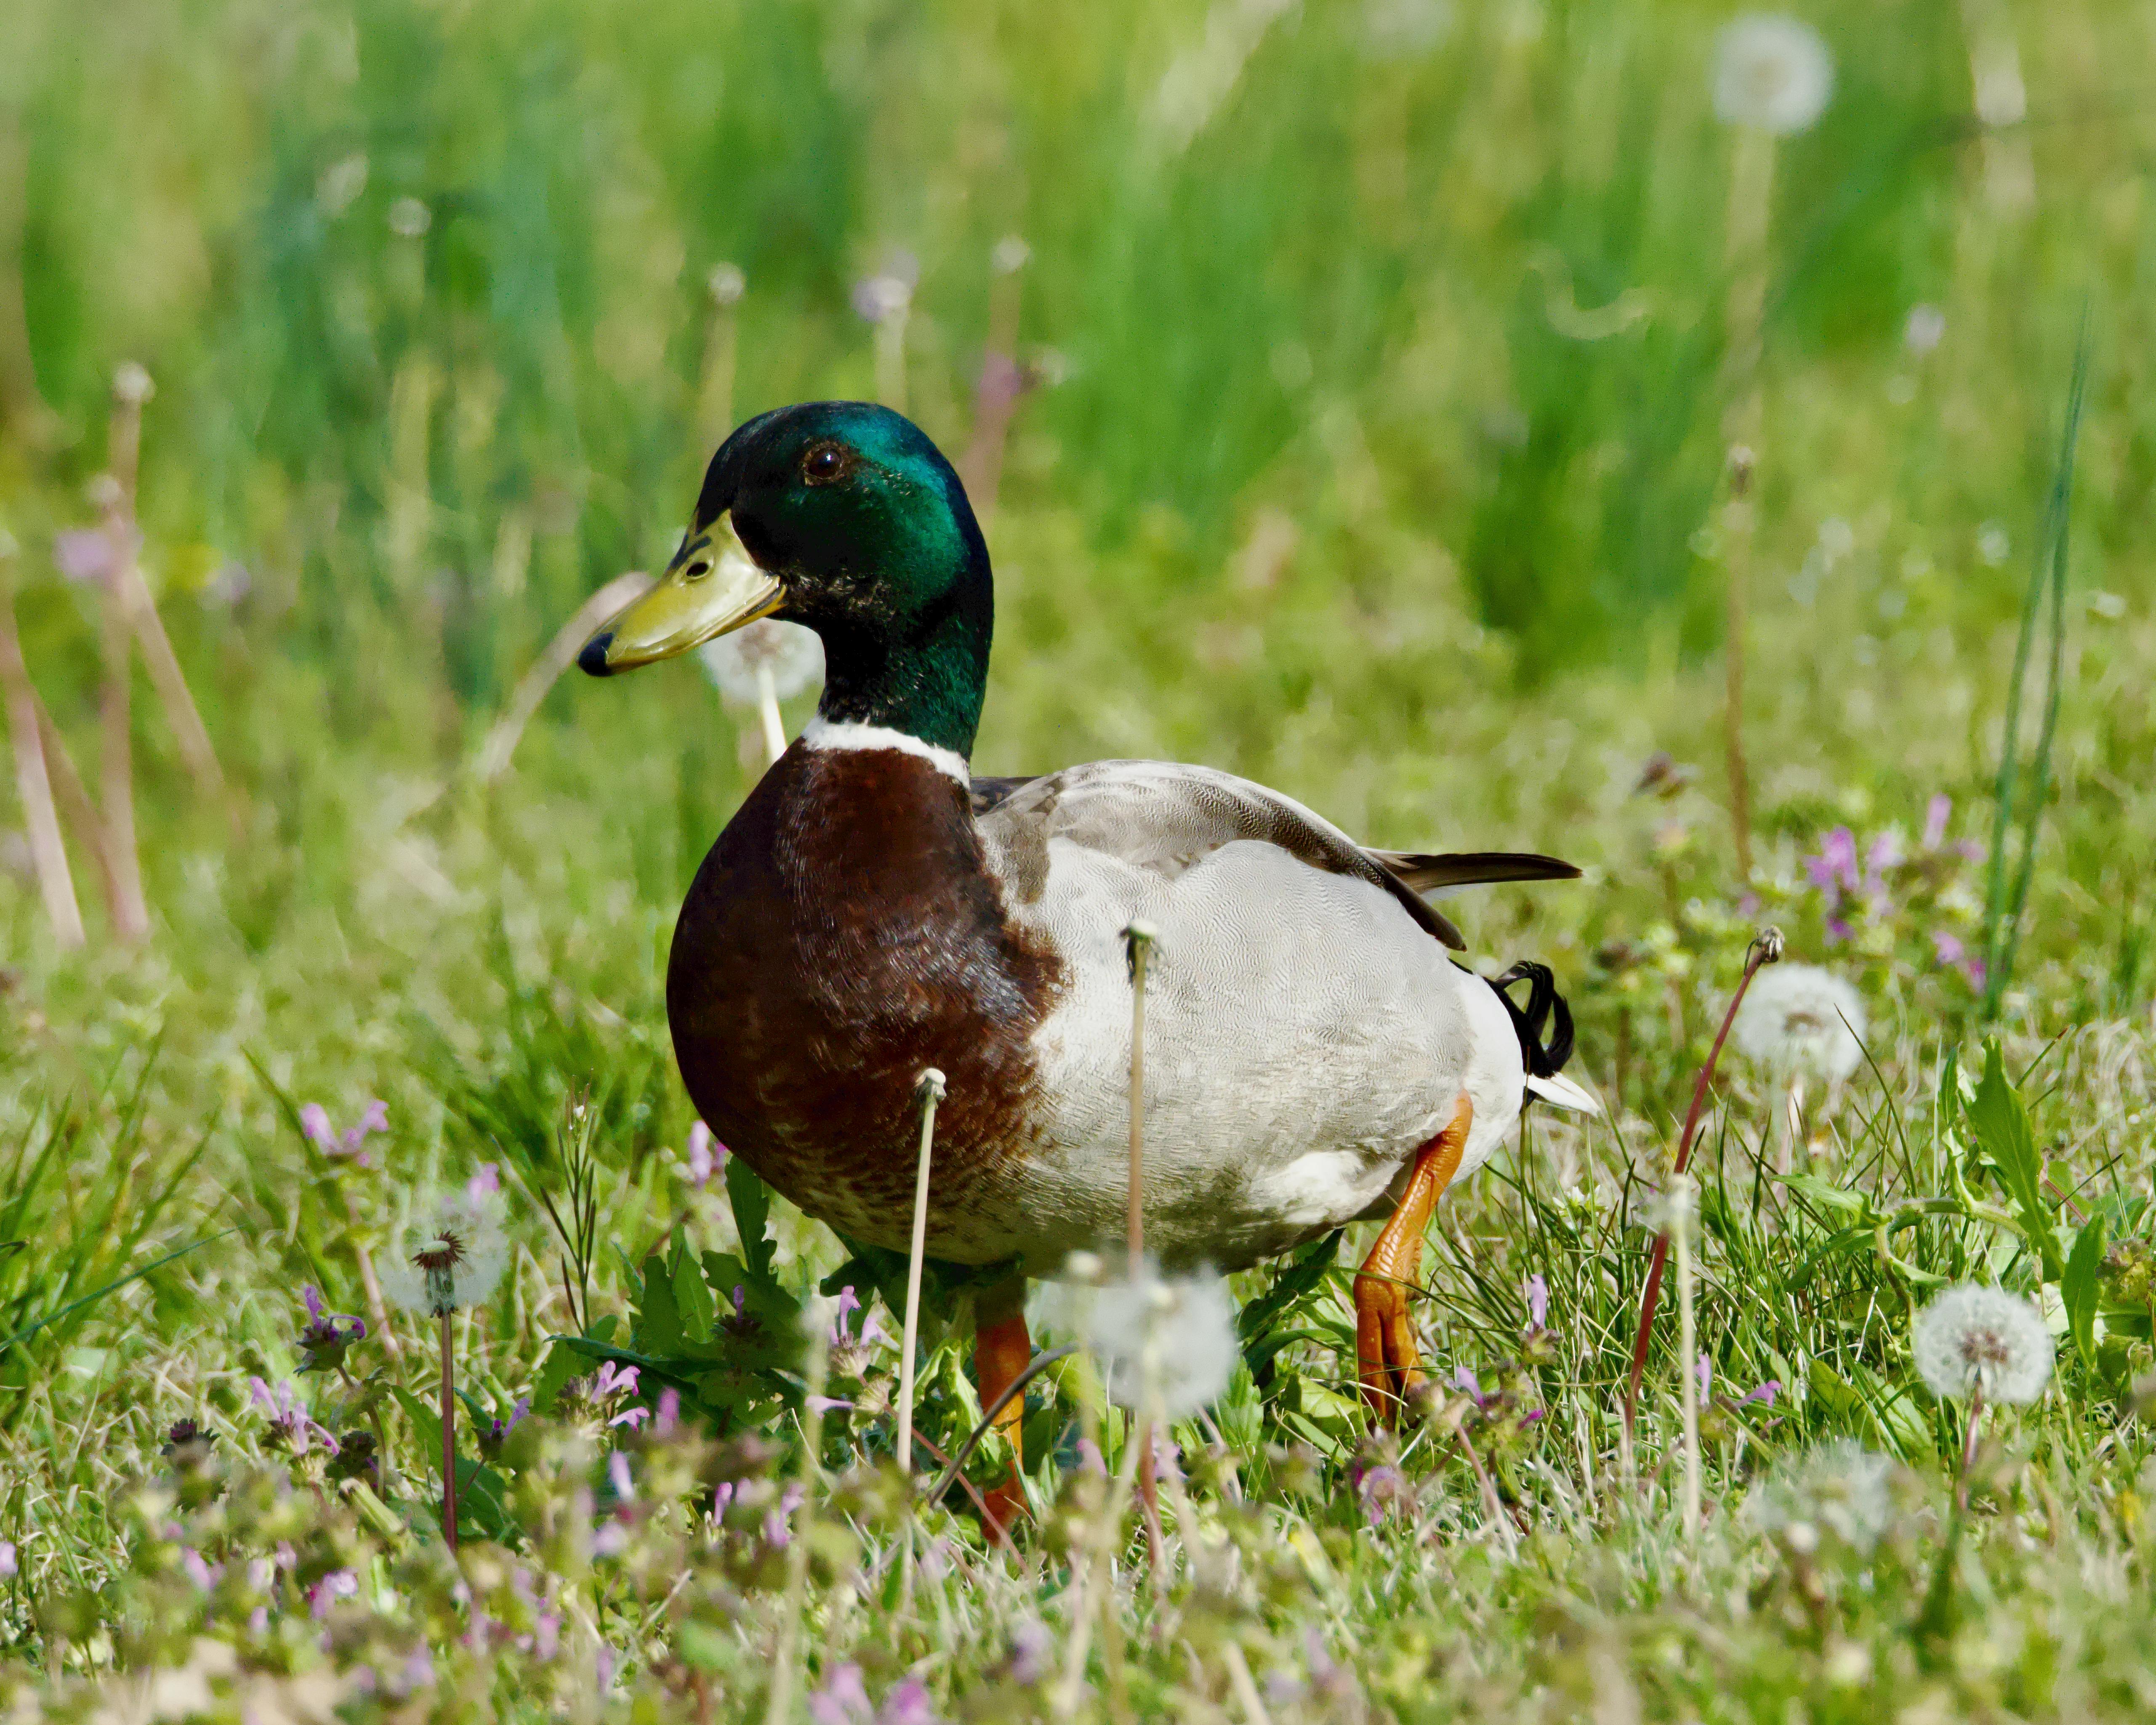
pixel 987 793
pixel 1168 817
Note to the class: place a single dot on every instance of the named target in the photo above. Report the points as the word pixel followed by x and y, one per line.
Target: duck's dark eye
pixel 825 464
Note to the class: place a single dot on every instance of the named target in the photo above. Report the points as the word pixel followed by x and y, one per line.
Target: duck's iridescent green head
pixel 843 516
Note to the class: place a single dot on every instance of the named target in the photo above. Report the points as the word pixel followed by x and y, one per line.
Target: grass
pixel 1384 467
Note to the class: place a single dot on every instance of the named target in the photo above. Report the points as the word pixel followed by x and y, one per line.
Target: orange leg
pixel 1002 1350
pixel 1388 1360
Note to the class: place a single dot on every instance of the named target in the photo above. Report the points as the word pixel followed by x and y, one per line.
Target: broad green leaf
pixel 426 1421
pixel 1302 1273
pixel 2079 1287
pixel 1828 1195
pixel 752 1202
pixel 2001 1125
pixel 692 1296
pixel 658 1326
pixel 560 1364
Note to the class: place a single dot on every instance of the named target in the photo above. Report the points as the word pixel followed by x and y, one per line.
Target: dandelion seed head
pixel 1771 71
pixel 1840 1488
pixel 1977 1337
pixel 453 1256
pixel 1799 1020
pixel 1180 1333
pixel 793 655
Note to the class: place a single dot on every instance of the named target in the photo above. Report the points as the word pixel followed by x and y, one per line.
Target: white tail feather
pixel 1565 1093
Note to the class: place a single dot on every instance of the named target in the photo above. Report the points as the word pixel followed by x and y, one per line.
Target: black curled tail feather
pixel 1545 1006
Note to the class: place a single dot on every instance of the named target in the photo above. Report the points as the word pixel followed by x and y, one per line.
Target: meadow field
pixel 1405 403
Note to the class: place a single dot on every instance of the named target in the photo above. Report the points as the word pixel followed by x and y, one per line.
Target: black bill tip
pixel 592 659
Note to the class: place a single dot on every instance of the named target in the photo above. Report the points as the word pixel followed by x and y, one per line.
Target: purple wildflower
pixel 1936 814
pixel 323 1341
pixel 1836 867
pixel 1538 1295
pixel 9 1565
pixel 82 553
pixel 485 1185
pixel 1464 1379
pixel 314 1122
pixel 843 1700
pixel 670 1411
pixel 495 1433
pixel 1380 1488
pixel 1705 1377
pixel 337 1584
pixel 1765 1394
pixel 1951 950
pixel 617 1477
pixel 1031 1649
pixel 706 1154
pixel 291 1427
pixel 908 1704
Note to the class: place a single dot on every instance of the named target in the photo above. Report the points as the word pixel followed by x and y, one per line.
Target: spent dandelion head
pixel 1174 1338
pixel 1840 1490
pixel 1978 1339
pixel 889 293
pixel 1801 1020
pixel 736 662
pixel 453 1257
pixel 1771 72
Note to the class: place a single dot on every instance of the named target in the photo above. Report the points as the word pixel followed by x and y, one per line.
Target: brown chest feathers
pixel 843 934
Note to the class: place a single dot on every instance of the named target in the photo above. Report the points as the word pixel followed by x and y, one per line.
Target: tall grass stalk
pixel 32 782
pixel 2005 901
pixel 787 1653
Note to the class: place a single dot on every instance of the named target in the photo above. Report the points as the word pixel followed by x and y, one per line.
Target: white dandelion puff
pixel 1978 1338
pixel 1923 329
pixel 453 1256
pixel 1801 1021
pixel 1840 1488
pixel 792 656
pixel 1772 72
pixel 1176 1337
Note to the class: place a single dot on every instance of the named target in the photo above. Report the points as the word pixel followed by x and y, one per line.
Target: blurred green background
pixel 1377 449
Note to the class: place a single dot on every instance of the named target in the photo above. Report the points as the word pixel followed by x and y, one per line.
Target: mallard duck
pixel 1313 1054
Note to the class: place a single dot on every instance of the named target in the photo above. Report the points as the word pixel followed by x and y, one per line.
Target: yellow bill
pixel 713 585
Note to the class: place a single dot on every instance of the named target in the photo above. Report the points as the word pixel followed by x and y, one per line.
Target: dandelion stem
pixel 1681 1215
pixel 931 1089
pixel 1765 949
pixel 1969 1442
pixel 1081 1626
pixel 130 910
pixel 766 705
pixel 448 1435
